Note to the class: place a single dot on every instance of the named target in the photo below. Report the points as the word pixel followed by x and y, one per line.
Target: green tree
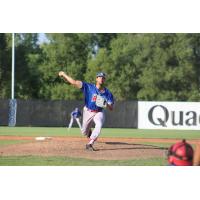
pixel 121 63
pixel 67 52
pixel 139 66
pixel 195 45
pixel 27 59
pixel 169 72
pixel 5 65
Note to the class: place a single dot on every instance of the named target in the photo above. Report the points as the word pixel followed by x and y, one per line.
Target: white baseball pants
pixel 89 118
pixel 72 120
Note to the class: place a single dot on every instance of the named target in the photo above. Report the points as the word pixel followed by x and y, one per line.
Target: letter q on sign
pixel 158 115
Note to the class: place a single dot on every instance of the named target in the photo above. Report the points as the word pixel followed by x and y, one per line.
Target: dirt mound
pixel 106 148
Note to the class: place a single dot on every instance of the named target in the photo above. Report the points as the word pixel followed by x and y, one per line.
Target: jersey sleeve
pixel 84 87
pixel 110 98
pixel 72 113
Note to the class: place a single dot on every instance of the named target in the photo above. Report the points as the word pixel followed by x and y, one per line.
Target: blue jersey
pixel 76 114
pixel 90 93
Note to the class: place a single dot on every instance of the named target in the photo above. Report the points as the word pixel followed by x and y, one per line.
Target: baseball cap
pixel 101 74
pixel 180 154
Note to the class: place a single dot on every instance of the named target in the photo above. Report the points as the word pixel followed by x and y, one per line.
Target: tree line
pixel 148 66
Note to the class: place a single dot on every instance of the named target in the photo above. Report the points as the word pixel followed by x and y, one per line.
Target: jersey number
pixel 94 98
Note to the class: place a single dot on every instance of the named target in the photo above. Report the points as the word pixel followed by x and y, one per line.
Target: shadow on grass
pixel 134 146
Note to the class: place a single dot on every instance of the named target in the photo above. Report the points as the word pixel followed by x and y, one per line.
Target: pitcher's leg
pixel 99 121
pixel 87 121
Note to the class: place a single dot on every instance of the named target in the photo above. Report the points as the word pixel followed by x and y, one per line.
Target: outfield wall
pixel 127 114
pixel 56 113
pixel 4 110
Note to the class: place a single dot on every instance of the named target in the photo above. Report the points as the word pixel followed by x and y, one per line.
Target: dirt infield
pixel 106 148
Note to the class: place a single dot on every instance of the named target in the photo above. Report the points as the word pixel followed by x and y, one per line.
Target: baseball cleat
pixel 89 147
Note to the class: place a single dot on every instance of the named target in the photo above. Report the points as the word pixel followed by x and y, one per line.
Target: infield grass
pixel 106 132
pixel 65 161
pixel 8 142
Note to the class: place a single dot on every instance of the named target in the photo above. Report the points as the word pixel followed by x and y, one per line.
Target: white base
pixel 42 138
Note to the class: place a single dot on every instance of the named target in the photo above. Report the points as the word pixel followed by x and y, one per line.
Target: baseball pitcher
pixel 97 99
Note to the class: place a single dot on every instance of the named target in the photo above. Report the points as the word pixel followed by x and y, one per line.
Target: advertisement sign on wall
pixel 168 115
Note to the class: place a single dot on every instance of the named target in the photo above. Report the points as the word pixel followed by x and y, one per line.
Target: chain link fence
pixel 56 113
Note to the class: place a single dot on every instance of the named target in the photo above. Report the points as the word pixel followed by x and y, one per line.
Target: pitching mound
pixel 106 148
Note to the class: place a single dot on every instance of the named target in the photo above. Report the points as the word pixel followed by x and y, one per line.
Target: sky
pixel 42 38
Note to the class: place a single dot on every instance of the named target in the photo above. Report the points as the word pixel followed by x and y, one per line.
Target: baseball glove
pixel 100 102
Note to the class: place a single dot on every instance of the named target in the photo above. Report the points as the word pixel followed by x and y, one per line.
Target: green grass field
pixel 65 161
pixel 8 142
pixel 106 132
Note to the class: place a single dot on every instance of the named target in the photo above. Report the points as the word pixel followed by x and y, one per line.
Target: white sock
pixel 91 141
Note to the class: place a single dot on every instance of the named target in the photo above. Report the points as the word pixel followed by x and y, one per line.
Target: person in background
pixel 75 114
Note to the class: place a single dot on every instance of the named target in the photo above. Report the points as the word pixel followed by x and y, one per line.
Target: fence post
pixel 12 112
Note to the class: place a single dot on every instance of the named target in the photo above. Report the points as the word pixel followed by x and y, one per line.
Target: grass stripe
pixel 9 142
pixel 106 132
pixel 65 161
